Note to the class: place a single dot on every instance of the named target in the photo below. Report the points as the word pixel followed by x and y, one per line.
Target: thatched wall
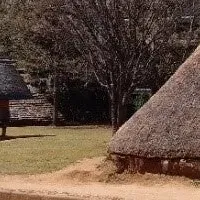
pixel 181 167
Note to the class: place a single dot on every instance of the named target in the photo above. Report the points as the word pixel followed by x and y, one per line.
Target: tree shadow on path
pixel 4 138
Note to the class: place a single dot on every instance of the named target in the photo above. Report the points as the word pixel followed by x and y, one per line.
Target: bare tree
pixel 122 42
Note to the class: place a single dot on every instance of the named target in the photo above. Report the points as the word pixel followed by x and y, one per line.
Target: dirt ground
pixel 94 179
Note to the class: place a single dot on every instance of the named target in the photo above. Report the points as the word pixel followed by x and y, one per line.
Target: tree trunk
pixel 113 113
pixel 55 112
pixel 55 99
pixel 118 110
pixel 121 114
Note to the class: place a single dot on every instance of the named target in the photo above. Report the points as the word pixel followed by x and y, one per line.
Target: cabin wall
pixel 181 167
pixel 30 112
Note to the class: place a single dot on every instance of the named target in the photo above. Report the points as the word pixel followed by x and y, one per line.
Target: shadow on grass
pixel 4 138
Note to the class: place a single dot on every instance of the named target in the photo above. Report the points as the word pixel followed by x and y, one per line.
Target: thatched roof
pixel 12 85
pixel 168 125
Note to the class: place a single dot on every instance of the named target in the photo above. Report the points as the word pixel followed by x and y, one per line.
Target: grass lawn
pixel 44 149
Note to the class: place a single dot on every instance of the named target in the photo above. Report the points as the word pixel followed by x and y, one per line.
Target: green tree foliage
pixel 124 44
pixel 35 33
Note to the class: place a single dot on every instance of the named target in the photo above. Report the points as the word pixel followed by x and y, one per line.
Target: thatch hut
pixel 164 135
pixel 12 87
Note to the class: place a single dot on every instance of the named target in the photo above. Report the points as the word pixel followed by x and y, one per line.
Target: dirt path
pixel 81 181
